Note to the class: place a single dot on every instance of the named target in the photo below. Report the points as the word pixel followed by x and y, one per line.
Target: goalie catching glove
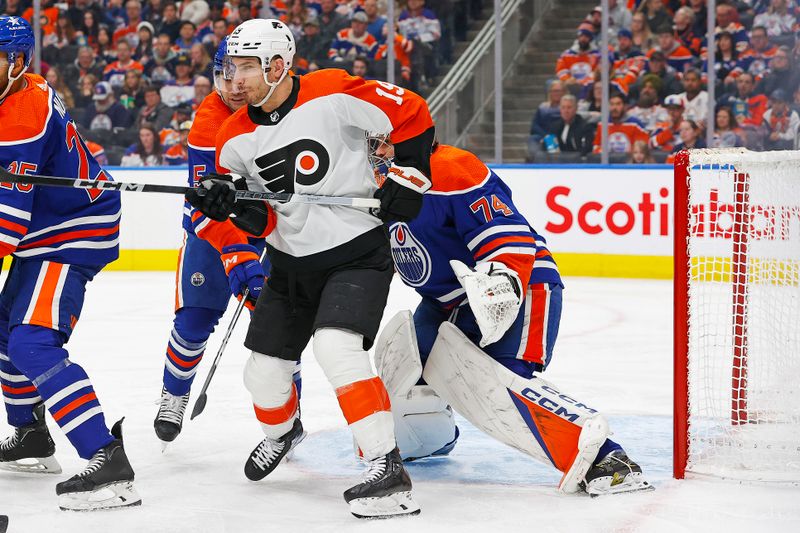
pixel 219 203
pixel 494 292
pixel 244 270
pixel 401 194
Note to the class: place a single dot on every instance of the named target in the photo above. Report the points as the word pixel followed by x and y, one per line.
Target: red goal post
pixel 737 314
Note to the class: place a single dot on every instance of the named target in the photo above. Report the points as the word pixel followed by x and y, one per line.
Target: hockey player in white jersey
pixel 331 265
pixel 486 279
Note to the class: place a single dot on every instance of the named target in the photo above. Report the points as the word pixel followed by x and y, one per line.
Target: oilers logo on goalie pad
pixel 411 259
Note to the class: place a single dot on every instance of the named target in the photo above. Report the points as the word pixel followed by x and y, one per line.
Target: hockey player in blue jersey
pixel 59 240
pixel 204 285
pixel 485 330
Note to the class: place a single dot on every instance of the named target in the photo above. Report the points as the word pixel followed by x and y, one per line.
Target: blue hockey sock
pixel 607 447
pixel 63 385
pixel 187 343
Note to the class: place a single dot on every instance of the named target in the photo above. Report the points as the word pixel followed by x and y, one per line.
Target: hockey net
pixel 737 314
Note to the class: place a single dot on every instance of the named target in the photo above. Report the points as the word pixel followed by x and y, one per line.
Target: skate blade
pixel 634 482
pixel 391 506
pixel 290 454
pixel 34 465
pixel 113 496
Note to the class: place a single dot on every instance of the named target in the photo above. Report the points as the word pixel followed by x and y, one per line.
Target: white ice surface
pixel 614 353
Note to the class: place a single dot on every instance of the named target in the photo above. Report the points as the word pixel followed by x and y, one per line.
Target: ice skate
pixel 385 491
pixel 105 483
pixel 30 449
pixel 266 456
pixel 615 474
pixel 169 420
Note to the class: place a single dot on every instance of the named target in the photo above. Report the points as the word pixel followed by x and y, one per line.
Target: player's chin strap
pixel 11 79
pixel 272 86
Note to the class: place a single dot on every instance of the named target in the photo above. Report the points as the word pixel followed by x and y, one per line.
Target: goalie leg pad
pixel 531 415
pixel 397 358
pixel 424 424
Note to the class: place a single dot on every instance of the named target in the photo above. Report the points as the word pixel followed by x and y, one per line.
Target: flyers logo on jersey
pixel 304 162
pixel 411 259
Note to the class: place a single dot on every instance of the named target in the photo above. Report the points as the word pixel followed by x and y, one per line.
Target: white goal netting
pixel 744 314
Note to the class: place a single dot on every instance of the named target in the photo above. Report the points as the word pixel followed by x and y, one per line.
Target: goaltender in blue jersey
pixel 60 238
pixel 484 331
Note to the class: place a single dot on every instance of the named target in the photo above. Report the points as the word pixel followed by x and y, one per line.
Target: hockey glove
pixel 220 198
pixel 244 269
pixel 401 194
pixel 494 292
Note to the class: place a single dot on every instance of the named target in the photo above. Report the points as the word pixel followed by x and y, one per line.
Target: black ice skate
pixel 106 483
pixel 385 491
pixel 30 448
pixel 614 474
pixel 169 420
pixel 266 456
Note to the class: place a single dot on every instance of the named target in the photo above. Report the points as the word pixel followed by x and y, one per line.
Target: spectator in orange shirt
pixel 576 65
pixel 748 108
pixel 623 131
pixel 134 11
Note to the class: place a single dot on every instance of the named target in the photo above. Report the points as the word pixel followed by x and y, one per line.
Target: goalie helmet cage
pixel 737 315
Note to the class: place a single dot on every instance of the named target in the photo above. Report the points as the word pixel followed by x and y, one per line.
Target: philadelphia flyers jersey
pixel 314 143
pixel 468 214
pixel 63 225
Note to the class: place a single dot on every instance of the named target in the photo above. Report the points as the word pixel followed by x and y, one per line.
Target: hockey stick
pixel 200 403
pixel 121 186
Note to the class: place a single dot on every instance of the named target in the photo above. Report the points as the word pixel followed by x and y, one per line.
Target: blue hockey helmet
pixel 16 37
pixel 219 56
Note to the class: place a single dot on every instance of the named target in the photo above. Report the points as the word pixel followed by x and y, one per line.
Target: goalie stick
pixel 121 186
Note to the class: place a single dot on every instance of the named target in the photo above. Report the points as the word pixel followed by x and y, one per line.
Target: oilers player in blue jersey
pixel 204 284
pixel 484 331
pixel 59 240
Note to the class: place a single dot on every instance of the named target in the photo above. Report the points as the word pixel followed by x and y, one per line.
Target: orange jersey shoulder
pixel 208 121
pixel 25 114
pixel 454 170
pixel 407 111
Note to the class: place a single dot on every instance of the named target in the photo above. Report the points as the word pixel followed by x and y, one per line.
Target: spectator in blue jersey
pixel 105 113
pixel 187 36
pixel 420 26
pixel 353 41
pixel 726 21
pixel 376 23
pixel 727 64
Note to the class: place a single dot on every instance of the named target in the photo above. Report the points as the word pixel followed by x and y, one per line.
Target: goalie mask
pixel 380 154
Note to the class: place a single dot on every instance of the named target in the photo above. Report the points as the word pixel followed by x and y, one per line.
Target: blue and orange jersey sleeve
pixel 483 211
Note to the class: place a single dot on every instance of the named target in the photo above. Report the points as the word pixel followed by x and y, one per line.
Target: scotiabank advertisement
pixel 616 211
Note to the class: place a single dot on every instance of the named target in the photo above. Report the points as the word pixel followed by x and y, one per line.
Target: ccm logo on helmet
pixel 304 162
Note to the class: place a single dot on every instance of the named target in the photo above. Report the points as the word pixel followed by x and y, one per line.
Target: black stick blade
pixel 199 405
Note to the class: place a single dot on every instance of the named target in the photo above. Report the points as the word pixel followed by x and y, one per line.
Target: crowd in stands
pixel 132 73
pixel 659 74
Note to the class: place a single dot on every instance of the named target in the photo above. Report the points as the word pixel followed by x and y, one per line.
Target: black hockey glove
pixel 220 198
pixel 401 194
